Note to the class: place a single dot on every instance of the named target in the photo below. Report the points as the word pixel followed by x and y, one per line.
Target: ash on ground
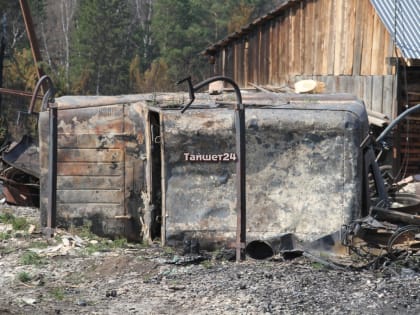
pixel 78 273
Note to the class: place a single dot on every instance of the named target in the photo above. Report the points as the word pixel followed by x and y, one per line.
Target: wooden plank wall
pixel 319 38
pixel 409 129
pixel 378 92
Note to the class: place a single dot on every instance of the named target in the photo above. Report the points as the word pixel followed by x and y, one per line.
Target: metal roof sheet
pixel 402 20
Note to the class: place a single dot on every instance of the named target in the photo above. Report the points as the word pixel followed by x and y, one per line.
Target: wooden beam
pixel 367 39
pixel 339 38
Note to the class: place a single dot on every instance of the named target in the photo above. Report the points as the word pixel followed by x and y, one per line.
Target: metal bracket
pixel 191 92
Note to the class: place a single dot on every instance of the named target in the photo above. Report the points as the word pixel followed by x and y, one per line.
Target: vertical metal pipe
pixel 2 49
pixel 52 172
pixel 240 182
pixel 240 154
pixel 29 25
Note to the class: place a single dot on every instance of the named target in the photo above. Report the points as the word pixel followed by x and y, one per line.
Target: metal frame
pixel 48 104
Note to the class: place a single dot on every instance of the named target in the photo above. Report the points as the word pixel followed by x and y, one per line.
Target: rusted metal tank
pixel 141 169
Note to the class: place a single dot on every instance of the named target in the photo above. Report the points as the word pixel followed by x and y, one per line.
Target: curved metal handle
pixel 396 121
pixel 192 89
pixel 48 97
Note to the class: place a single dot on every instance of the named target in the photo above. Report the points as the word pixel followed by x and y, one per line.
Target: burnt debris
pixel 19 172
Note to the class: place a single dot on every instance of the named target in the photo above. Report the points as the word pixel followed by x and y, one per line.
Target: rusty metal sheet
pixel 101 164
pixel 82 211
pixel 90 169
pixel 21 194
pixel 90 182
pixel 90 155
pixel 24 155
pixel 86 141
pixel 303 165
pixel 104 119
pixel 91 196
pixel 20 175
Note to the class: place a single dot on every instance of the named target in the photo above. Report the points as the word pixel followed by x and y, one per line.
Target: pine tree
pixel 101 52
pixel 183 29
pixel 180 29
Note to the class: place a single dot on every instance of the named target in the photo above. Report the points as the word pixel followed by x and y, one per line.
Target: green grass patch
pixel 98 247
pixel 57 293
pixel 31 258
pixel 317 265
pixel 24 277
pixel 105 245
pixel 4 236
pixel 18 223
pixel 6 217
pixel 83 231
pixel 208 264
pixel 119 243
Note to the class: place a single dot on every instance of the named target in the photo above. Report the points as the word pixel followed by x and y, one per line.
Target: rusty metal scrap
pixel 20 188
pixel 17 93
pixel 21 175
pixel 23 155
pixel 395 216
pixel 387 229
pixel 393 222
pixel 20 172
pixel 405 239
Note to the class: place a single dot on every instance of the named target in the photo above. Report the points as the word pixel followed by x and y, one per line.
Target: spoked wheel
pixel 404 241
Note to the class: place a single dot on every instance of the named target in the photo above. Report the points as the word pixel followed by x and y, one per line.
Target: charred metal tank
pixel 303 169
pixel 138 167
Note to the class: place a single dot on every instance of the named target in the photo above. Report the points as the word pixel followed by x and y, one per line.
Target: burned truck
pixel 134 166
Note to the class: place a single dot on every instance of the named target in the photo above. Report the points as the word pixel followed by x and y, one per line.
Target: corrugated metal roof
pixel 402 20
pixel 400 17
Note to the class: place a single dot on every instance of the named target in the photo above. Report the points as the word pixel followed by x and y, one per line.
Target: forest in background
pixel 111 47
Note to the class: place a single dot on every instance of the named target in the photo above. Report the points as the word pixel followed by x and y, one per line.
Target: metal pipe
pixel 286 244
pixel 261 249
pixel 29 25
pixel 48 95
pixel 2 50
pixel 18 93
pixel 47 104
pixel 52 173
pixel 396 121
pixel 240 182
pixel 240 154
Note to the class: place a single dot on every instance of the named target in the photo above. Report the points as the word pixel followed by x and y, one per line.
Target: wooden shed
pixel 369 48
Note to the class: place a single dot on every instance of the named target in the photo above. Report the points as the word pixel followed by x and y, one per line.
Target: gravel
pixel 73 275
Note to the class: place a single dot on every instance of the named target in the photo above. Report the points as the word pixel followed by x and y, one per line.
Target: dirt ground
pixel 78 273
